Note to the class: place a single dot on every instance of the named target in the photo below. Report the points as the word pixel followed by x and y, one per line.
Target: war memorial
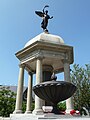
pixel 45 55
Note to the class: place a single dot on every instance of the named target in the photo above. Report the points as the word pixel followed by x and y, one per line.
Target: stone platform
pixel 48 116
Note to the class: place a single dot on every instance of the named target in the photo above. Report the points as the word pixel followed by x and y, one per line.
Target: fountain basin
pixel 54 91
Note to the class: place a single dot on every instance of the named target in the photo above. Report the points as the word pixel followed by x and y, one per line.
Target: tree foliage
pixel 62 106
pixel 81 78
pixel 7 101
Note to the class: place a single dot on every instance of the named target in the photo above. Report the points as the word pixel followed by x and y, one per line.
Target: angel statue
pixel 45 18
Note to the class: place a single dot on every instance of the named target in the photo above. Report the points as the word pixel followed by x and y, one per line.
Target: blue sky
pixel 18 24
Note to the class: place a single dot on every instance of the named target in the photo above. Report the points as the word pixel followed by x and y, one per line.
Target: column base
pixel 69 105
pixel 28 112
pixel 38 111
pixel 17 112
pixel 68 111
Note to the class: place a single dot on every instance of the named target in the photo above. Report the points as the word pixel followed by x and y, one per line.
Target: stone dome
pixel 45 37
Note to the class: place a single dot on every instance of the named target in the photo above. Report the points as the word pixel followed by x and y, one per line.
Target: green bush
pixel 7 101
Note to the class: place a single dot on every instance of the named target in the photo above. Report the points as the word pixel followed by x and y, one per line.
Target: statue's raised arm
pixel 45 17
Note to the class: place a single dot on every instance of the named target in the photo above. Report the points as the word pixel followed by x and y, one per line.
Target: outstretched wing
pixel 46 6
pixel 39 13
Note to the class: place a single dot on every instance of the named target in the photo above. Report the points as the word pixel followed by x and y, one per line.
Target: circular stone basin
pixel 54 91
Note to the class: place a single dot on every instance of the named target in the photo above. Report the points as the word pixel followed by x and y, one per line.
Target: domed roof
pixel 45 37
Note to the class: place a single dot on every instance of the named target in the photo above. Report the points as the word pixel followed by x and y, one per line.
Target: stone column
pixel 29 94
pixel 69 102
pixel 38 101
pixel 47 73
pixel 18 108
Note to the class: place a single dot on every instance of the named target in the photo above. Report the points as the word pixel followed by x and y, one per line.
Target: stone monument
pixel 42 55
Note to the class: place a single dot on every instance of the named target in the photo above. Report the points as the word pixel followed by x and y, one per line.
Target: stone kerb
pixel 7 118
pixel 49 116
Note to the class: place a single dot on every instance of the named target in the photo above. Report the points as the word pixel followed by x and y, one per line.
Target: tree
pixel 81 78
pixel 7 101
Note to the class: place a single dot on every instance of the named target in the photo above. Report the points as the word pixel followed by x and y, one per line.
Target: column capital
pixel 65 61
pixel 39 55
pixel 22 65
pixel 30 73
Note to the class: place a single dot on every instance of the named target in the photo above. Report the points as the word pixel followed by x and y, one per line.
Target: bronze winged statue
pixel 45 18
